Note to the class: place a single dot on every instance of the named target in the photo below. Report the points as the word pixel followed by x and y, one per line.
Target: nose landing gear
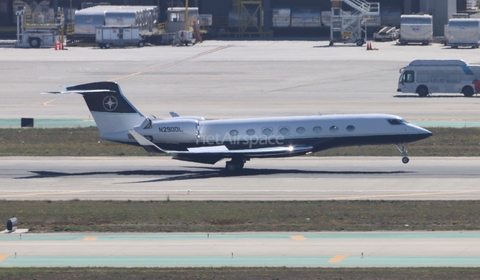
pixel 401 148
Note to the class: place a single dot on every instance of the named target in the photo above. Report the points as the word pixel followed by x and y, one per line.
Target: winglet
pixel 174 115
pixel 147 145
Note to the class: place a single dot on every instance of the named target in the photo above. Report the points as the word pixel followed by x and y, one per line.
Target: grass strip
pixel 85 142
pixel 284 273
pixel 242 216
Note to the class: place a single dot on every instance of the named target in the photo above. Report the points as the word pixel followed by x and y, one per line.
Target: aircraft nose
pixel 424 132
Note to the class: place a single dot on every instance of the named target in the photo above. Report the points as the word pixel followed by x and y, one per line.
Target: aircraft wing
pixel 213 154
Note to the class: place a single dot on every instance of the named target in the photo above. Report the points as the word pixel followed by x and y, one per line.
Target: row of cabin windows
pixel 286 130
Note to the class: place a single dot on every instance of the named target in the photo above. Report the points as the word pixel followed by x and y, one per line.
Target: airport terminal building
pixel 277 18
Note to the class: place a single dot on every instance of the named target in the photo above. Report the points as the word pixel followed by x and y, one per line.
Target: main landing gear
pixel 236 164
pixel 401 148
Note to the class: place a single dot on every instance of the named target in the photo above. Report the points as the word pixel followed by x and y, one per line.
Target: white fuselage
pixel 320 132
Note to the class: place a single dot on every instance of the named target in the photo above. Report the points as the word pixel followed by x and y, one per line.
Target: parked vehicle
pixel 87 20
pixel 416 29
pixel 119 36
pixel 183 37
pixel 386 33
pixel 463 32
pixel 38 30
pixel 439 76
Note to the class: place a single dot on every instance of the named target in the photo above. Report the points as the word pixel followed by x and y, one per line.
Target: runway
pixel 292 249
pixel 301 178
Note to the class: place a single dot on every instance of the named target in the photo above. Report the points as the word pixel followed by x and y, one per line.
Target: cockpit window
pixel 407 77
pixel 397 121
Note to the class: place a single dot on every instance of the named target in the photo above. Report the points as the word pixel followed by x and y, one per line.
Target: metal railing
pixel 364 7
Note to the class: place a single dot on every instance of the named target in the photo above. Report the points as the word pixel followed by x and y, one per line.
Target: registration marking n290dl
pixel 170 129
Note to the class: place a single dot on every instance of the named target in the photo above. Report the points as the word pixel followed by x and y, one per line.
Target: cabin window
pixel 317 129
pixel 267 131
pixel 284 131
pixel 180 16
pixel 350 128
pixel 234 132
pixel 334 128
pixel 250 132
pixel 397 121
pixel 300 130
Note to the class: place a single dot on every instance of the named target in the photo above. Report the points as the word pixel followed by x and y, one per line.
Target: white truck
pixel 120 36
pixel 439 76
pixel 416 29
pixel 462 32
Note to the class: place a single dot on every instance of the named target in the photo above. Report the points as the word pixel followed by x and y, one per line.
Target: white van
pixel 416 29
pixel 439 76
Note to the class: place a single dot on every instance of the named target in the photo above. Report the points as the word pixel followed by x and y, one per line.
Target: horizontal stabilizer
pixel 79 91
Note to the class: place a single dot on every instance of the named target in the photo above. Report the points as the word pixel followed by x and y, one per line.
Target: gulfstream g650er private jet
pixel 195 139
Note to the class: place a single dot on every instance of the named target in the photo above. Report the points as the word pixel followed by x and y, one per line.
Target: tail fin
pixel 110 109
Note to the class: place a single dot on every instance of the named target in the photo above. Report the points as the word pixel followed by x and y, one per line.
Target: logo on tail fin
pixel 110 103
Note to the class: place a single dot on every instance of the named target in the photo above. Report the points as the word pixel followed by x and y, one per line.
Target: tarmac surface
pixel 230 79
pixel 292 249
pixel 299 178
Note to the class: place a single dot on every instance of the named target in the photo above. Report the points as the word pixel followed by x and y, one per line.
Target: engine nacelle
pixel 171 131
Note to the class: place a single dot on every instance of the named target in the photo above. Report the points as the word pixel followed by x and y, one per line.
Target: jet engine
pixel 170 131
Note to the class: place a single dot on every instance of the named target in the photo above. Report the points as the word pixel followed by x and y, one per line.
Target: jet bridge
pixel 349 26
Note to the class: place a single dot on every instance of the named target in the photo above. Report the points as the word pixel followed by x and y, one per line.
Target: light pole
pixel 186 14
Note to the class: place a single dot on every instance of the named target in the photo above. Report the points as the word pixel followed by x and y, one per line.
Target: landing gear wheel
pixel 234 166
pixel 231 166
pixel 401 148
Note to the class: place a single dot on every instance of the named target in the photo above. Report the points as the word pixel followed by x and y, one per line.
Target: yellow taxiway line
pixel 298 237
